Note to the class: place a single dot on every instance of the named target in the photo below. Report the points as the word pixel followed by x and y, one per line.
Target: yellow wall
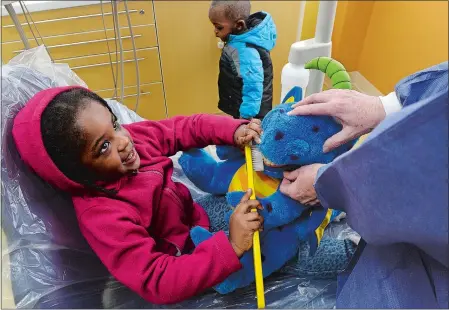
pixel 190 56
pixel 308 26
pixel 403 37
pixel 368 36
pixel 383 40
pixel 285 15
pixel 351 23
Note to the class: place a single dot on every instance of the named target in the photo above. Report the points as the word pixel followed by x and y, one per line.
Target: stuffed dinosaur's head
pixel 289 142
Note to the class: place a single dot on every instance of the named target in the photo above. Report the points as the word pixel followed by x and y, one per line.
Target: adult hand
pixel 356 112
pixel 298 184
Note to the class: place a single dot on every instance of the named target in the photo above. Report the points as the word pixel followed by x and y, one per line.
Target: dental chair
pixel 50 263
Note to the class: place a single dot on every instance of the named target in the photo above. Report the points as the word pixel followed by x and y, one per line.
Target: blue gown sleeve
pixel 422 84
pixel 394 191
pixel 394 186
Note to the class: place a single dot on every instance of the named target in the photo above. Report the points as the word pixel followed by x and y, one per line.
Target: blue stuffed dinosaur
pixel 288 142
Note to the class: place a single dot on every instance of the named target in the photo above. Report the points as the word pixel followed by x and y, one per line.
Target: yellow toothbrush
pixel 253 156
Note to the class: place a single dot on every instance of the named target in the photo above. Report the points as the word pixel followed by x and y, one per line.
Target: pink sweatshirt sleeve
pixel 128 251
pixel 184 132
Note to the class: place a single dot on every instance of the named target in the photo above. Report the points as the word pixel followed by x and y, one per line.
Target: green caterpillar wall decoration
pixel 333 69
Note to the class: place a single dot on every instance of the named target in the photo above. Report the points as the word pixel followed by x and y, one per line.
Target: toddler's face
pixel 223 26
pixel 109 151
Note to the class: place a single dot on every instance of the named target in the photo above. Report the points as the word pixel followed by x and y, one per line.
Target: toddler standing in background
pixel 245 82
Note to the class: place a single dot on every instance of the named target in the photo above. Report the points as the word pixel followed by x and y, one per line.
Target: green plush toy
pixel 333 69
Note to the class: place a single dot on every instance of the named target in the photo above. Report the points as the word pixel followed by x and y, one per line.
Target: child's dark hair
pixel 63 139
pixel 233 10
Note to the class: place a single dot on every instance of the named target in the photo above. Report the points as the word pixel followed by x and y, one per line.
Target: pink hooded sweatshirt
pixel 139 233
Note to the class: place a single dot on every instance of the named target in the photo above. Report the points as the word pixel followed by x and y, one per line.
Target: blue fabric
pixel 279 209
pixel 252 75
pixel 251 68
pixel 287 222
pixel 278 246
pixel 296 141
pixel 216 207
pixel 389 277
pixel 421 84
pixel 206 173
pixel 263 35
pixel 394 191
pixel 331 258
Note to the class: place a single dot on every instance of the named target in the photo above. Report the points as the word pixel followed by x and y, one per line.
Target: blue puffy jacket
pixel 245 82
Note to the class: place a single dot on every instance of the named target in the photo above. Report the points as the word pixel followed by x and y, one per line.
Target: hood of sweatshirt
pixel 27 136
pixel 261 31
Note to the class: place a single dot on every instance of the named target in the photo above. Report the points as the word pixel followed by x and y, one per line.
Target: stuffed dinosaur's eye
pixel 279 136
pixel 294 157
pixel 315 128
pixel 269 207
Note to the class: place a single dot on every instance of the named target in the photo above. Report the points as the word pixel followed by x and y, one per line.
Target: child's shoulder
pixel 143 127
pixel 237 50
pixel 100 204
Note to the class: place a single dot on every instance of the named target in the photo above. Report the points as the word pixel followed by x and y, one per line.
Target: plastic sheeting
pixel 51 265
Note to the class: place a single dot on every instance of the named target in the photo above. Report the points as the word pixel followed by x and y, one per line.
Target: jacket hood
pixel 27 136
pixel 261 31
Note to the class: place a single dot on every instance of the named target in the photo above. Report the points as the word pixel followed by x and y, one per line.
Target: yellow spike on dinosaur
pixel 333 69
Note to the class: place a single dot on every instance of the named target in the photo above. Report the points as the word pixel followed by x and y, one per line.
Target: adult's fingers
pixel 309 201
pixel 340 138
pixel 285 187
pixel 327 108
pixel 321 97
pixel 286 182
pixel 313 203
pixel 292 175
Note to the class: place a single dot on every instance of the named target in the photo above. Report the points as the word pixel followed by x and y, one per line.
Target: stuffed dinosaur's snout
pixel 291 154
pixel 289 141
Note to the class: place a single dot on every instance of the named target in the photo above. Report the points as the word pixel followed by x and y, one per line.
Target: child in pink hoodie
pixel 135 218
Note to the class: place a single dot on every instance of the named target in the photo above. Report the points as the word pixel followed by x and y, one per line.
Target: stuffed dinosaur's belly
pixel 264 185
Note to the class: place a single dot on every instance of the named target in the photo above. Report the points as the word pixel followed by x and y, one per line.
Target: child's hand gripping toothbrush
pixel 254 162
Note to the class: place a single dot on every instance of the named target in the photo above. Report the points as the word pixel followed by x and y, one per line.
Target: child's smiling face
pixel 109 149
